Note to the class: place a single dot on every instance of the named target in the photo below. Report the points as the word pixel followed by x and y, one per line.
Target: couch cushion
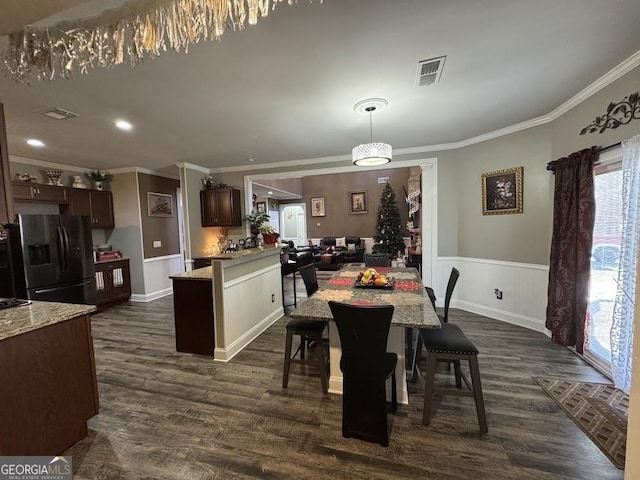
pixel 353 240
pixel 340 242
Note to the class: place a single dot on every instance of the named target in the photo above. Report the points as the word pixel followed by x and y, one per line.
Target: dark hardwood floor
pixel 166 415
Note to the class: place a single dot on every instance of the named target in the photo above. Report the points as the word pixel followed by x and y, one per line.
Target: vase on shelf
pixel 54 177
pixel 97 184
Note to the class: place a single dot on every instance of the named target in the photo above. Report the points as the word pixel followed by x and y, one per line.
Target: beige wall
pixel 521 237
pixel 632 467
pixel 127 235
pixel 335 189
pixel 162 229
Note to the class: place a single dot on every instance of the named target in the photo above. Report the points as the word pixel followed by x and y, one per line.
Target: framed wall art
pixel 317 207
pixel 261 207
pixel 502 191
pixel 358 201
pixel 159 204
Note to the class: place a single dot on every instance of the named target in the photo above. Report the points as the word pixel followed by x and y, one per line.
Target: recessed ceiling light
pixel 269 193
pixel 123 125
pixel 34 142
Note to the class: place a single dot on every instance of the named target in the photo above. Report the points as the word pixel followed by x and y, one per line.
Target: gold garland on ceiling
pixel 138 30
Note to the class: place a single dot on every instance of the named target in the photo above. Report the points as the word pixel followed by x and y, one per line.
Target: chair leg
pixel 303 345
pixel 322 365
pixel 429 387
pixel 394 393
pixel 458 375
pixel 287 359
pixel 415 374
pixel 477 393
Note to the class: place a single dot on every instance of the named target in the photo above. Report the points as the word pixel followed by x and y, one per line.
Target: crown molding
pixel 191 166
pixel 147 171
pixel 42 163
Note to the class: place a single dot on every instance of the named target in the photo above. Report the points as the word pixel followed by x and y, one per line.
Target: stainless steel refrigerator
pixel 50 258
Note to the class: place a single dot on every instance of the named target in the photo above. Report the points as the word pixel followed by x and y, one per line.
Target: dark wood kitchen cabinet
pixel 36 192
pixel 113 282
pixel 97 204
pixel 220 207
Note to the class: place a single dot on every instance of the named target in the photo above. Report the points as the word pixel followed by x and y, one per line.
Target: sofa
pixel 302 256
pixel 352 248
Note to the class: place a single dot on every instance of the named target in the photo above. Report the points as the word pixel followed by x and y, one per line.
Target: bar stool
pixel 310 332
pixel 449 343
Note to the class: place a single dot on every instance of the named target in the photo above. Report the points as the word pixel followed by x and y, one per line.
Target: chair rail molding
pixel 524 288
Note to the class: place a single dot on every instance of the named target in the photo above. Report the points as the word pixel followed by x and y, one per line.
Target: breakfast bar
pixel 220 309
pixel 412 309
pixel 48 377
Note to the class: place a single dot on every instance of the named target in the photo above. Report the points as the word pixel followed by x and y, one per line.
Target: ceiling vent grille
pixel 429 71
pixel 60 114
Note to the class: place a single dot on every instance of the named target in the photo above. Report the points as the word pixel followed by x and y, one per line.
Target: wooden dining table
pixel 412 309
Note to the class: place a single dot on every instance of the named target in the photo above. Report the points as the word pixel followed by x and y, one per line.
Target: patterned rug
pixel 600 410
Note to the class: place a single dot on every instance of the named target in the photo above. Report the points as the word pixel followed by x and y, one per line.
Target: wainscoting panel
pixel 523 286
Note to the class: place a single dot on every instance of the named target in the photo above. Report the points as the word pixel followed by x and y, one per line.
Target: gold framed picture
pixel 502 191
pixel 358 201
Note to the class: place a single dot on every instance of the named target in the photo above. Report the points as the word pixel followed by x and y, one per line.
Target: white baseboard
pixel 144 298
pixel 508 317
pixel 226 354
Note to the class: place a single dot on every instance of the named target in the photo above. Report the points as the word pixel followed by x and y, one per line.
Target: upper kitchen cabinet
pixel 35 192
pixel 97 204
pixel 220 207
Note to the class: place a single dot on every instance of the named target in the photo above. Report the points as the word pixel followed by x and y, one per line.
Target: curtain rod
pixel 599 150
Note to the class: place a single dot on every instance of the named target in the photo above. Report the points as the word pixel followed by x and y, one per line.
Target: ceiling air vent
pixel 429 71
pixel 60 114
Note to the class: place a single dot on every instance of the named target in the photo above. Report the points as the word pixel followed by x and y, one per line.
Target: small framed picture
pixel 358 201
pixel 317 207
pixel 262 207
pixel 159 204
pixel 502 191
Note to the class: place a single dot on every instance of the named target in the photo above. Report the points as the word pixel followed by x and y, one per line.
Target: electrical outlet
pixel 157 244
pixel 273 298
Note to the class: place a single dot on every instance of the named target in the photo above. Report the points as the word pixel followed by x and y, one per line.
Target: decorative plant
pixel 256 219
pixel 99 175
pixel 266 228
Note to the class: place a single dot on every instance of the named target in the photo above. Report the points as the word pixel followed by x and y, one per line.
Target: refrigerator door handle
pixel 65 235
pixel 61 249
pixel 66 287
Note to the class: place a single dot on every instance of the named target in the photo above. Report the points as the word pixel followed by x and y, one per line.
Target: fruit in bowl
pixel 372 278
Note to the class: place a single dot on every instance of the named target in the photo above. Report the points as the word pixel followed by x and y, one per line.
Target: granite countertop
pixel 413 308
pixel 201 274
pixel 245 253
pixel 17 320
pixel 111 260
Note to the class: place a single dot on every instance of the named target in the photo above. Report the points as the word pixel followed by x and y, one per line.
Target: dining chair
pixel 451 285
pixel 365 364
pixel 310 332
pixel 376 259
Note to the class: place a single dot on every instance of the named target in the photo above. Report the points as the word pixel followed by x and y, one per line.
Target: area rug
pixel 600 410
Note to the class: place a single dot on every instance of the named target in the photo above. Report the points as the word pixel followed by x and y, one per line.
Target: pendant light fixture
pixel 371 154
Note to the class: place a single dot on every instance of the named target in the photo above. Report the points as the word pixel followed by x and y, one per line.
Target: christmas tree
pixel 388 236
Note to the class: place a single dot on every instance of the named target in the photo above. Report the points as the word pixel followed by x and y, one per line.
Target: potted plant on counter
pixel 256 220
pixel 269 234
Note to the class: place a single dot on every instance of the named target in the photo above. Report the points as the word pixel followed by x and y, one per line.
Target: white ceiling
pixel 284 89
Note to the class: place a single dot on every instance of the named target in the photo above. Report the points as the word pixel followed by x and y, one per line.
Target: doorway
pixel 293 223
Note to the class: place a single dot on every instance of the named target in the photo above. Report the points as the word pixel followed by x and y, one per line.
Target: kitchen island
pixel 48 377
pixel 218 310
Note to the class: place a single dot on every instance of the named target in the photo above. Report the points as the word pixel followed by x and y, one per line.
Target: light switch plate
pixel 157 244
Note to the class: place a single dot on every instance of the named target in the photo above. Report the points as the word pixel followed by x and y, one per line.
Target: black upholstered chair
pixel 310 331
pixel 365 365
pixel 376 259
pixel 451 285
pixel 450 344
